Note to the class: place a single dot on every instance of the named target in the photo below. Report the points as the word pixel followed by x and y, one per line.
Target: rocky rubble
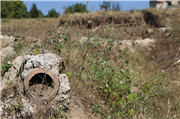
pixel 130 45
pixel 50 62
pixel 6 40
pixel 25 65
pixel 7 48
pixel 27 107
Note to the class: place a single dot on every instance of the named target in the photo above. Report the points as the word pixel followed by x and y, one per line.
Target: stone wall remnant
pixel 161 4
pixel 42 74
pixel 42 79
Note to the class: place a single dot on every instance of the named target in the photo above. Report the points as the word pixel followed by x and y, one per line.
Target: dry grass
pixel 145 66
pixel 28 27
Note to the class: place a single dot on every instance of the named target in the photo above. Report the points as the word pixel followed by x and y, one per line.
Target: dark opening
pixel 41 85
pixel 151 19
pixel 168 4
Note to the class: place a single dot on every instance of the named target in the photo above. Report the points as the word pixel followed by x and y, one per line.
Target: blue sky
pixel 45 6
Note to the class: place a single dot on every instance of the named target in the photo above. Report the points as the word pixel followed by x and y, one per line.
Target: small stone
pixel 8 51
pixel 1 37
pixel 144 43
pixel 6 37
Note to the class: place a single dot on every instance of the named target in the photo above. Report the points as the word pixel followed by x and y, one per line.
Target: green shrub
pixel 5 67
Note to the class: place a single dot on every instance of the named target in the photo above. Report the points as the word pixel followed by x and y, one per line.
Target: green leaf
pixel 124 87
pixel 127 71
pixel 114 102
pixel 60 46
pixel 109 48
pixel 68 73
pixel 127 55
pixel 131 111
pixel 107 85
pixel 114 35
pixel 106 90
pixel 121 101
pixel 131 97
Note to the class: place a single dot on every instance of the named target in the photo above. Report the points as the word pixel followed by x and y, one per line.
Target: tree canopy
pixel 52 13
pixel 34 12
pixel 75 8
pixel 13 9
pixel 105 5
pixel 111 6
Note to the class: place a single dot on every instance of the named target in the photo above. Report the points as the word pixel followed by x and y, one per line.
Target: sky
pixel 93 6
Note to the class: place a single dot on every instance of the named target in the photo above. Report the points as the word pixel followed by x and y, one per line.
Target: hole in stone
pixel 37 88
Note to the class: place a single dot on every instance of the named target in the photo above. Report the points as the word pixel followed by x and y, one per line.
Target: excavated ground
pixel 125 25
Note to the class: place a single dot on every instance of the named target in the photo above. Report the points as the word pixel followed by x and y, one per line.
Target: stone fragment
pixel 164 29
pixel 82 39
pixel 1 36
pixel 28 109
pixel 14 70
pixel 126 43
pixel 144 43
pixel 17 62
pixel 4 84
pixel 52 63
pixel 6 37
pixel 8 51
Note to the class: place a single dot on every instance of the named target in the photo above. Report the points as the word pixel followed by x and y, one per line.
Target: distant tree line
pixel 75 8
pixel 16 9
pixel 111 6
pixel 107 6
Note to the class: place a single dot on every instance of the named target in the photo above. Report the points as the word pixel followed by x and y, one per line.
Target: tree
pixel 116 6
pixel 52 13
pixel 113 6
pixel 13 9
pixel 75 8
pixel 34 12
pixel 68 10
pixel 40 13
pixel 105 5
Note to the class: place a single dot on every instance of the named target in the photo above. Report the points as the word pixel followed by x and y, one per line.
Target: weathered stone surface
pixel 82 39
pixel 26 107
pixel 53 63
pixel 129 45
pixel 165 29
pixel 48 61
pixel 14 70
pixel 63 90
pixel 10 76
pixel 6 40
pixel 1 36
pixel 144 43
pixel 8 51
pixel 151 32
pixel 4 84
pixel 126 43
pixel 17 62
